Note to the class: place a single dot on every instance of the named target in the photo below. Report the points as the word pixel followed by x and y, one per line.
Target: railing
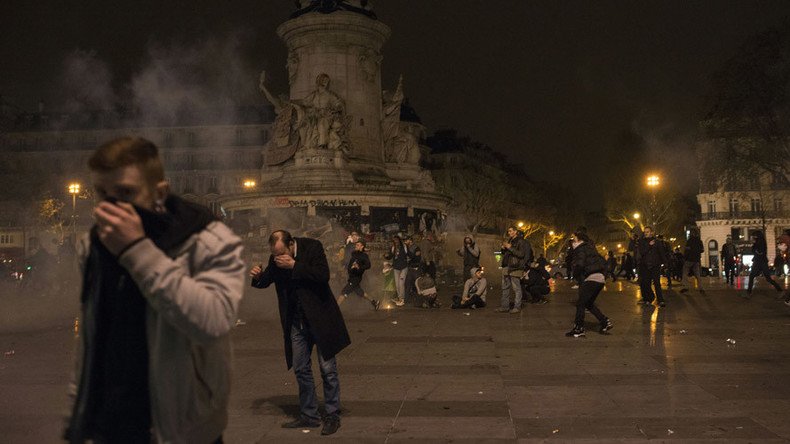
pixel 724 215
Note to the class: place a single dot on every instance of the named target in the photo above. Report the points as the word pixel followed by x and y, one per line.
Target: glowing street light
pixel 249 184
pixel 520 224
pixel 74 190
pixel 636 216
pixel 551 233
pixel 619 245
pixel 653 181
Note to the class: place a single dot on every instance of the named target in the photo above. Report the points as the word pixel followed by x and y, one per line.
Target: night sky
pixel 552 84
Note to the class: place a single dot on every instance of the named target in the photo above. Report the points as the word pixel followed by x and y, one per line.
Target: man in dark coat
pixel 309 315
pixel 729 256
pixel 691 261
pixel 651 255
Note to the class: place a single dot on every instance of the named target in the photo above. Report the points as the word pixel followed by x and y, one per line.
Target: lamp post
pixel 653 182
pixel 249 184
pixel 74 190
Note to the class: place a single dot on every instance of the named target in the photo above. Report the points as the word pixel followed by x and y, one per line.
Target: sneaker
pixel 542 301
pixel 515 310
pixel 642 302
pixel 503 310
pixel 302 423
pixel 577 332
pixel 376 304
pixel 662 304
pixel 787 302
pixel 606 326
pixel 575 287
pixel 331 424
pixel 398 302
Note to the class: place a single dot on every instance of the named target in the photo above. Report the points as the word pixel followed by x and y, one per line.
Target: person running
pixel 760 263
pixel 782 245
pixel 357 264
pixel 591 267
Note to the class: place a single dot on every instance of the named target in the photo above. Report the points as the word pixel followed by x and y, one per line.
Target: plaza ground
pixel 413 375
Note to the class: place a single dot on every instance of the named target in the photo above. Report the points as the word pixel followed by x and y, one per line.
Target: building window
pixel 711 207
pixel 239 137
pixel 191 139
pixel 757 205
pixel 168 139
pixel 264 136
pixel 734 205
pixel 778 204
pixel 212 184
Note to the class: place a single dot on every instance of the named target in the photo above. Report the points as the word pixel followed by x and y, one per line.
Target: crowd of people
pixel 163 278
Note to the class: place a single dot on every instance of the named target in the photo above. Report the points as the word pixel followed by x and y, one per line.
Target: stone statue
pixel 289 125
pixel 292 65
pixel 390 121
pixel 316 122
pixel 326 121
pixel 369 62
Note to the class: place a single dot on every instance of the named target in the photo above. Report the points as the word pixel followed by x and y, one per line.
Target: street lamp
pixel 551 233
pixel 249 184
pixel 653 181
pixel 636 216
pixel 74 190
pixel 520 224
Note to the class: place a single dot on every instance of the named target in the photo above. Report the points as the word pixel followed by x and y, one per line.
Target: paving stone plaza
pixel 414 375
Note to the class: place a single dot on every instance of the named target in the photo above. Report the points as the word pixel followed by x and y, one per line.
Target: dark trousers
pixel 730 272
pixel 475 301
pixel 536 292
pixel 353 286
pixel 761 268
pixel 588 292
pixel 411 289
pixel 302 342
pixel 649 278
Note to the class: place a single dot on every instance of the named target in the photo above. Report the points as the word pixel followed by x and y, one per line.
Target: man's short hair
pixel 125 151
pixel 280 235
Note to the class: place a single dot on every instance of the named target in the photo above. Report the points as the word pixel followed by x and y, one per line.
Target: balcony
pixel 725 215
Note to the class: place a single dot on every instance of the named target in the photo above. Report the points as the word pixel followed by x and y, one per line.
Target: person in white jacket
pixel 162 282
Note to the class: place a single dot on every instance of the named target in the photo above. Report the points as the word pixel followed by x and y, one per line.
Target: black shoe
pixel 606 326
pixel 302 423
pixel 577 332
pixel 685 290
pixel 642 302
pixel 331 424
pixel 376 304
pixel 662 304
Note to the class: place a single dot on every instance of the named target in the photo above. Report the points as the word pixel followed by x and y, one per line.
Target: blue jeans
pixel 302 345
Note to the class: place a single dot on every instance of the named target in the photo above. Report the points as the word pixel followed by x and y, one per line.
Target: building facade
pixel 738 210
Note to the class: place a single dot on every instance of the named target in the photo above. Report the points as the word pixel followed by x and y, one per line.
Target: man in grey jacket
pixel 162 282
pixel 514 254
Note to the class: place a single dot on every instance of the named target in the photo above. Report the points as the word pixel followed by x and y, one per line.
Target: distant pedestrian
pixel 591 266
pixel 691 261
pixel 651 257
pixel 729 258
pixel 414 270
pixel 471 254
pixel 513 256
pixel 627 266
pixel 760 263
pixel 399 255
pixel 782 245
pixel 611 265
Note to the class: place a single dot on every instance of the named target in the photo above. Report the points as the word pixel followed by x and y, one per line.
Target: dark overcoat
pixel 307 282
